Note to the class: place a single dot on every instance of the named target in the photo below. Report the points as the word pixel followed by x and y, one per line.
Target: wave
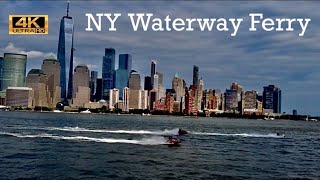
pixel 79 129
pixel 273 135
pixel 157 140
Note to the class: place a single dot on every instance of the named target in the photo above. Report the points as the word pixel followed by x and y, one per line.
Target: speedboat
pixel 86 112
pixel 57 111
pixel 182 132
pixel 173 141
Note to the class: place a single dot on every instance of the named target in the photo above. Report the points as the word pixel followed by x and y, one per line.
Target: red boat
pixel 173 141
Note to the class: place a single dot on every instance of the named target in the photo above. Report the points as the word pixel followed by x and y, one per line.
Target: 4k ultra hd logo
pixel 28 24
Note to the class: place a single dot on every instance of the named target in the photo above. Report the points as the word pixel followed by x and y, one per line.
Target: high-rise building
pixel 81 94
pixel 114 98
pixel 152 99
pixel 239 89
pixel 126 99
pixel 153 70
pixel 272 98
pixel 20 97
pixel 98 95
pixel 156 85
pixel 134 81
pixel 1 65
pixel 93 85
pixel 143 99
pixel 65 55
pixel 13 70
pixel 195 76
pixel 199 94
pixel 108 70
pixel 125 62
pixel 177 85
pixel 122 73
pixel 231 100
pixel 147 83
pixel 51 67
pixel 37 80
pixel 250 102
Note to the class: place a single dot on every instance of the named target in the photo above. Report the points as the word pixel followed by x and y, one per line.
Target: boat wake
pixel 157 140
pixel 273 135
pixel 79 129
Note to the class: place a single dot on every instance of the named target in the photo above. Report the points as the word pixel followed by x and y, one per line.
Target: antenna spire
pixel 68 10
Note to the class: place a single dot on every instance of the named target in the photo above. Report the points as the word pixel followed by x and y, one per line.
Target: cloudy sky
pixel 253 59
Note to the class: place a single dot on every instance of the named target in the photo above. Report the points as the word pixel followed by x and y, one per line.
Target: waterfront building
pixel 122 73
pixel 1 65
pixel 169 102
pixel 147 83
pixel 126 99
pixel 51 67
pixel 114 98
pixel 81 94
pixel 177 85
pixel 152 99
pixel 143 99
pixel 199 95
pixel 250 102
pixel 65 55
pixel 20 97
pixel 135 99
pixel 134 80
pixel 98 95
pixel 272 98
pixel 108 70
pixel 231 100
pixel 93 85
pixel 13 70
pixel 38 81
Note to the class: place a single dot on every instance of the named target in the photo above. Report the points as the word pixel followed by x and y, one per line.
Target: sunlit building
pixel 37 80
pixel 20 97
pixel 81 90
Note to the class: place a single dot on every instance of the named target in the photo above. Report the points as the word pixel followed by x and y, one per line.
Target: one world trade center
pixel 65 55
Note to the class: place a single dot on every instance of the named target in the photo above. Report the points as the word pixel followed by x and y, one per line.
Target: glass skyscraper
pixel 272 98
pixel 1 64
pixel 13 70
pixel 195 76
pixel 108 69
pixel 65 55
pixel 123 72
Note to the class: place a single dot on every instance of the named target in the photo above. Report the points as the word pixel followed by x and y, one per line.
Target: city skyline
pixel 217 72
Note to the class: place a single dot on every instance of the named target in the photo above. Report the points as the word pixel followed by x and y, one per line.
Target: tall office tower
pixel 210 100
pixel 195 76
pixel 189 101
pixel 161 89
pixel 134 86
pixel 178 86
pixel 153 70
pixel 65 55
pixel 98 95
pixel 152 99
pixel 143 99
pixel 108 70
pixel 239 89
pixel 147 83
pixel 199 95
pixel 250 100
pixel 93 85
pixel 272 98
pixel 231 100
pixel 51 67
pixel 126 99
pixel 37 80
pixel 114 98
pixel 134 80
pixel 156 84
pixel 81 88
pixel 122 73
pixel 1 64
pixel 13 70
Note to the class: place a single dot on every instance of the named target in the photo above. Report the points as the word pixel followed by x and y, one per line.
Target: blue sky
pixel 253 59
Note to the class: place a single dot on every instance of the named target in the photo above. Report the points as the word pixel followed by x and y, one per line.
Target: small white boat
pixel 86 112
pixel 57 111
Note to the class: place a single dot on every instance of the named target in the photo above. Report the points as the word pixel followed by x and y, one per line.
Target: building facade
pixel 108 70
pixel 38 81
pixel 114 98
pixel 20 97
pixel 81 93
pixel 272 98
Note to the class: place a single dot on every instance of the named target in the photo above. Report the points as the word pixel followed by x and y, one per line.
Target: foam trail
pixel 240 134
pixel 78 129
pixel 144 141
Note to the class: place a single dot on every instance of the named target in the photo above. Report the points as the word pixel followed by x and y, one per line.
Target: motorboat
pixel 86 112
pixel 57 111
pixel 173 141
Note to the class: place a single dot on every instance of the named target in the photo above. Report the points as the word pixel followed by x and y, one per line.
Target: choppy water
pixel 83 146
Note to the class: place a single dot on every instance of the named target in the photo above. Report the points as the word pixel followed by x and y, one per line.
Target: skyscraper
pixel 93 85
pixel 114 98
pixel 177 85
pixel 98 95
pixel 272 98
pixel 195 77
pixel 51 67
pixel 199 95
pixel 123 72
pixel 14 70
pixel 153 70
pixel 126 99
pixel 37 80
pixel 231 100
pixel 108 70
pixel 147 83
pixel 81 89
pixel 134 80
pixel 65 55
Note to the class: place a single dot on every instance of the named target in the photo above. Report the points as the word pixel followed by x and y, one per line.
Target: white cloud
pixel 10 48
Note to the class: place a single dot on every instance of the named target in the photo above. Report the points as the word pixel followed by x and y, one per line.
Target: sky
pixel 252 59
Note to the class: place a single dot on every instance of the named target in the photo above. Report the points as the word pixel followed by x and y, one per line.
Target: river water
pixel 91 146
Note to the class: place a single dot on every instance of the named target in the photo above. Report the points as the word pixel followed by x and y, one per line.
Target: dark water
pixel 84 146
